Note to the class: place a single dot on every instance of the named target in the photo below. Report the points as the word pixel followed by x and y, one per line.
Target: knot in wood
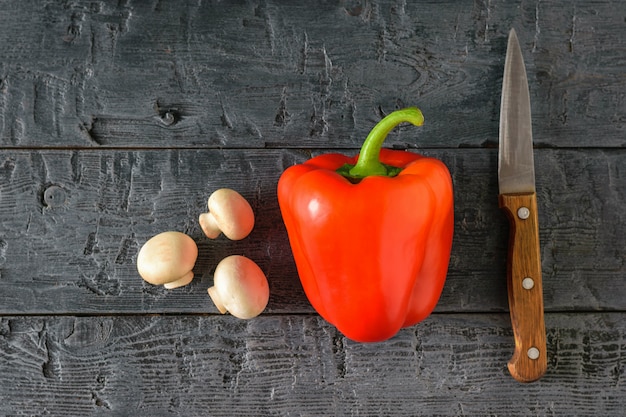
pixel 54 196
pixel 169 117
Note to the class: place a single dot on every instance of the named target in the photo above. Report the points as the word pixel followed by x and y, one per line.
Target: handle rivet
pixel 528 283
pixel 533 353
pixel 523 213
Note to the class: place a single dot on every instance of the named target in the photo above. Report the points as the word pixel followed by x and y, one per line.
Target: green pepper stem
pixel 369 157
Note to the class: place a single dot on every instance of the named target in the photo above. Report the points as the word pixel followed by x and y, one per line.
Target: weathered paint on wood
pixel 450 365
pixel 302 74
pixel 117 120
pixel 73 223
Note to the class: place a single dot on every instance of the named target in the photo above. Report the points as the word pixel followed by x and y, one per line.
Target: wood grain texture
pixel 118 118
pixel 300 74
pixel 450 365
pixel 525 301
pixel 73 222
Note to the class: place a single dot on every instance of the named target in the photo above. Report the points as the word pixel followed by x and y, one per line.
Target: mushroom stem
pixel 182 281
pixel 217 299
pixel 209 225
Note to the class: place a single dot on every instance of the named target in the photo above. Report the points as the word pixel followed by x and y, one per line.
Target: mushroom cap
pixel 166 257
pixel 239 287
pixel 232 213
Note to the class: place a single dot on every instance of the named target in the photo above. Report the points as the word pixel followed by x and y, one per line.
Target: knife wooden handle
pixel 529 361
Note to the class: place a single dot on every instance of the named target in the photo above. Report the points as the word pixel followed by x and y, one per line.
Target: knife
pixel 518 199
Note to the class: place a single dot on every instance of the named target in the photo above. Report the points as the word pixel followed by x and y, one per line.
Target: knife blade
pixel 518 199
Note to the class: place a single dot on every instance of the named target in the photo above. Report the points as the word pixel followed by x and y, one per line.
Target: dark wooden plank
pixel 297 74
pixel 450 365
pixel 117 120
pixel 73 221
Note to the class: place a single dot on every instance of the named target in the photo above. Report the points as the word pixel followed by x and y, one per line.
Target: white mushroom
pixel 239 287
pixel 229 213
pixel 168 259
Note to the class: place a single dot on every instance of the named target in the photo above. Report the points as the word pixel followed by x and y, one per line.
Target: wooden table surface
pixel 119 118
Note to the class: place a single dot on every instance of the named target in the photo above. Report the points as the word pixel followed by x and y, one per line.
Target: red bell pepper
pixel 371 237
